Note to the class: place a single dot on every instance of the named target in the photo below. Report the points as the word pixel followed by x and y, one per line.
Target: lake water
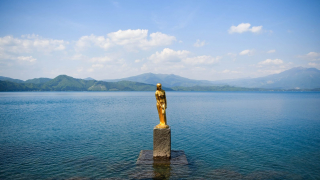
pixel 98 135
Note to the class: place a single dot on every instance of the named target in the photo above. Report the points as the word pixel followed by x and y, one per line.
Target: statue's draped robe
pixel 161 106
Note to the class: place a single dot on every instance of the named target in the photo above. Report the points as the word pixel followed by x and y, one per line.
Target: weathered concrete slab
pixel 161 143
pixel 178 157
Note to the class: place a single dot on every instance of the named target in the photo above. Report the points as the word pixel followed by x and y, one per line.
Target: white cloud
pixel 229 71
pixel 5 56
pixel 256 29
pixel 97 65
pixel 128 36
pixel 130 39
pixel 168 55
pixel 19 58
pixel 201 60
pixel 78 57
pixel 270 71
pixel 199 43
pixel 246 52
pixel 26 58
pixel 271 62
pixel 101 59
pixel 271 51
pixel 80 69
pixel 315 65
pixel 144 67
pixel 30 44
pixel 271 66
pixel 244 27
pixel 159 39
pixel 87 41
pixel 233 55
pixel 312 56
pixel 90 70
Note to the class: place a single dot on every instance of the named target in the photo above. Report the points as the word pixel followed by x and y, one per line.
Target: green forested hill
pixel 38 80
pixel 2 78
pixel 12 86
pixel 67 83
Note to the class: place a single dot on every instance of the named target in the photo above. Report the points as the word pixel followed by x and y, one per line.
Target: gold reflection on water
pixel 161 171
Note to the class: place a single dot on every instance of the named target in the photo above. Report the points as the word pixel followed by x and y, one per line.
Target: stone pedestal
pixel 161 143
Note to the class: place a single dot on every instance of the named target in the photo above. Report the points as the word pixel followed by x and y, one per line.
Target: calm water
pixel 98 135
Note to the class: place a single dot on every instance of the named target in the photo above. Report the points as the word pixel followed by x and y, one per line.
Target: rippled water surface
pixel 98 135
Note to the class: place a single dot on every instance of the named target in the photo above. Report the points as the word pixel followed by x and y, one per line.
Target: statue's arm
pixel 165 99
pixel 157 98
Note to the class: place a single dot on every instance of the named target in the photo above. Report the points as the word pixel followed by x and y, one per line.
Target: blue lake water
pixel 98 135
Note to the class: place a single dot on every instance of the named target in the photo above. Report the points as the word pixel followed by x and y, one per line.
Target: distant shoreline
pixel 68 83
pixel 178 91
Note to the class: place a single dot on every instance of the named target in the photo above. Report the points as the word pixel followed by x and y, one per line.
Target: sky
pixel 204 40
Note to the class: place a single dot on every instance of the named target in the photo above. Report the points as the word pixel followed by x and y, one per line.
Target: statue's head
pixel 158 86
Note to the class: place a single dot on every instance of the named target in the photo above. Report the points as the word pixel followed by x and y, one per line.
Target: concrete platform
pixel 177 158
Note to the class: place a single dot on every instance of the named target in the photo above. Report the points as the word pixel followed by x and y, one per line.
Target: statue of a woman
pixel 161 106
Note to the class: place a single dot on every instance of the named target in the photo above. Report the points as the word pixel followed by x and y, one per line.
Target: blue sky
pixel 209 40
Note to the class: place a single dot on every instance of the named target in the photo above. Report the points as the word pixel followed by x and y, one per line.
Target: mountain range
pixel 167 80
pixel 293 79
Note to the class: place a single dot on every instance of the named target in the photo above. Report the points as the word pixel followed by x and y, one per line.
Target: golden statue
pixel 161 106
